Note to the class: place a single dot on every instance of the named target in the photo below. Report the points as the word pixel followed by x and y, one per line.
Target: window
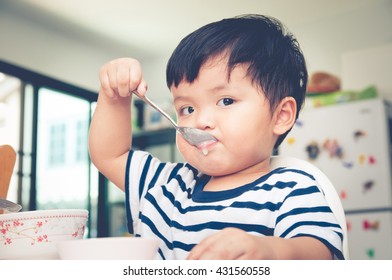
pixel 57 144
pixel 81 143
pixel 47 122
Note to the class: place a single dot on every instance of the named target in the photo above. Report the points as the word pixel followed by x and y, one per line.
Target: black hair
pixel 276 62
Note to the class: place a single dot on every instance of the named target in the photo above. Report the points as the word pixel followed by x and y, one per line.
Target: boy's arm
pixel 110 137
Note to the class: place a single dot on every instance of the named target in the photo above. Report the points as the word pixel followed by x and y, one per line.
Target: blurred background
pixel 51 52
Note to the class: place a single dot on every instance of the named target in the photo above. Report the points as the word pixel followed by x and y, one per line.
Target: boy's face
pixel 234 111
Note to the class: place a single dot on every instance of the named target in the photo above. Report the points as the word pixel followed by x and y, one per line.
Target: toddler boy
pixel 243 80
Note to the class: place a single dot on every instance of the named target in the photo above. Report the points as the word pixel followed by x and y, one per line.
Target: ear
pixel 284 115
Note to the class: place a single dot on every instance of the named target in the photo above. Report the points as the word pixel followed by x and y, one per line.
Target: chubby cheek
pixel 187 151
pixel 182 145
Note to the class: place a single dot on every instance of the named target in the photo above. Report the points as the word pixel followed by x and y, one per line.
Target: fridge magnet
pixel 343 195
pixel 368 225
pixel 333 148
pixel 370 253
pixel 348 164
pixel 359 134
pixel 313 150
pixel 361 159
pixel 372 160
pixel 290 140
pixel 367 186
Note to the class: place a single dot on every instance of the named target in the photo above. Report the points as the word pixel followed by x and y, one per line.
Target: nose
pixel 205 119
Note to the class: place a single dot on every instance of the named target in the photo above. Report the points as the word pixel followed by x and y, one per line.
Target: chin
pixel 211 168
pixel 210 164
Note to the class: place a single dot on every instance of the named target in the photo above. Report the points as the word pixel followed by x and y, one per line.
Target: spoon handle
pixel 156 107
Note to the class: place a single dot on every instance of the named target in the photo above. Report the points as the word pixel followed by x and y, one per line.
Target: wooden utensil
pixel 7 163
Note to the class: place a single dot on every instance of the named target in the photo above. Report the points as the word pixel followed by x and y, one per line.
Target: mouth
pixel 206 146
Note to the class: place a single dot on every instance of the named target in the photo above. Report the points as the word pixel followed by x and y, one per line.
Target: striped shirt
pixel 167 201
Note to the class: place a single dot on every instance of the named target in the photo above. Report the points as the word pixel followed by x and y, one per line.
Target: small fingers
pixel 228 244
pixel 198 250
pixel 122 76
pixel 111 73
pixel 206 248
pixel 122 81
pixel 142 88
pixel 105 83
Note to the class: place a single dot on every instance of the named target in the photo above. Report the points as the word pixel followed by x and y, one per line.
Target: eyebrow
pixel 219 87
pixel 215 88
pixel 179 98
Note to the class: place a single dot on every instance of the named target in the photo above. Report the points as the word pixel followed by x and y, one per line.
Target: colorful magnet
pixel 361 159
pixel 359 134
pixel 368 225
pixel 343 195
pixel 367 186
pixel 370 253
pixel 290 140
pixel 333 148
pixel 313 150
pixel 372 160
pixel 348 164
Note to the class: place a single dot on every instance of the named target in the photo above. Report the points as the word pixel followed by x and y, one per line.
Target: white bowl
pixel 108 248
pixel 33 234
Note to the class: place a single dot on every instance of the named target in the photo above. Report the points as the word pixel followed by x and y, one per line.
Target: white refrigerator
pixel 351 143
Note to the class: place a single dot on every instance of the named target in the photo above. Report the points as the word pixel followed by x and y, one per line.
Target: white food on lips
pixel 203 147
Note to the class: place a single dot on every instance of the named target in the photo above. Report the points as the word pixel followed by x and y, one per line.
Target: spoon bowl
pixel 195 136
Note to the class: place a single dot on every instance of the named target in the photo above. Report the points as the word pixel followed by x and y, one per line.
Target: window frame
pixel 37 81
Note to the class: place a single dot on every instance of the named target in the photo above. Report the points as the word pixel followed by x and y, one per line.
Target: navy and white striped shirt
pixel 167 201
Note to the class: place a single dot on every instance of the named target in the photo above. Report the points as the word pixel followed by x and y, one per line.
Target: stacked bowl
pixel 34 234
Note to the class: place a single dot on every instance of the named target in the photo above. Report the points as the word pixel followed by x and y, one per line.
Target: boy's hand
pixel 120 77
pixel 232 244
pixel 236 244
pixel 110 135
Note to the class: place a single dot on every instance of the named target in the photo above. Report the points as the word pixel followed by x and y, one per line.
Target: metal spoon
pixel 9 205
pixel 192 135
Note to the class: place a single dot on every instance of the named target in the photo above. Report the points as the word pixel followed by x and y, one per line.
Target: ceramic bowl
pixel 33 234
pixel 108 248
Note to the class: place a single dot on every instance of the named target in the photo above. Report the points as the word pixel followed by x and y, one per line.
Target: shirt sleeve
pixel 305 212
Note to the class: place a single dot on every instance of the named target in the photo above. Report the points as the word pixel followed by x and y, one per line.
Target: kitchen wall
pixel 76 60
pixel 378 70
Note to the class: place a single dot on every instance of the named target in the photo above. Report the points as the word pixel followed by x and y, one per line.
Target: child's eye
pixel 186 111
pixel 226 101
